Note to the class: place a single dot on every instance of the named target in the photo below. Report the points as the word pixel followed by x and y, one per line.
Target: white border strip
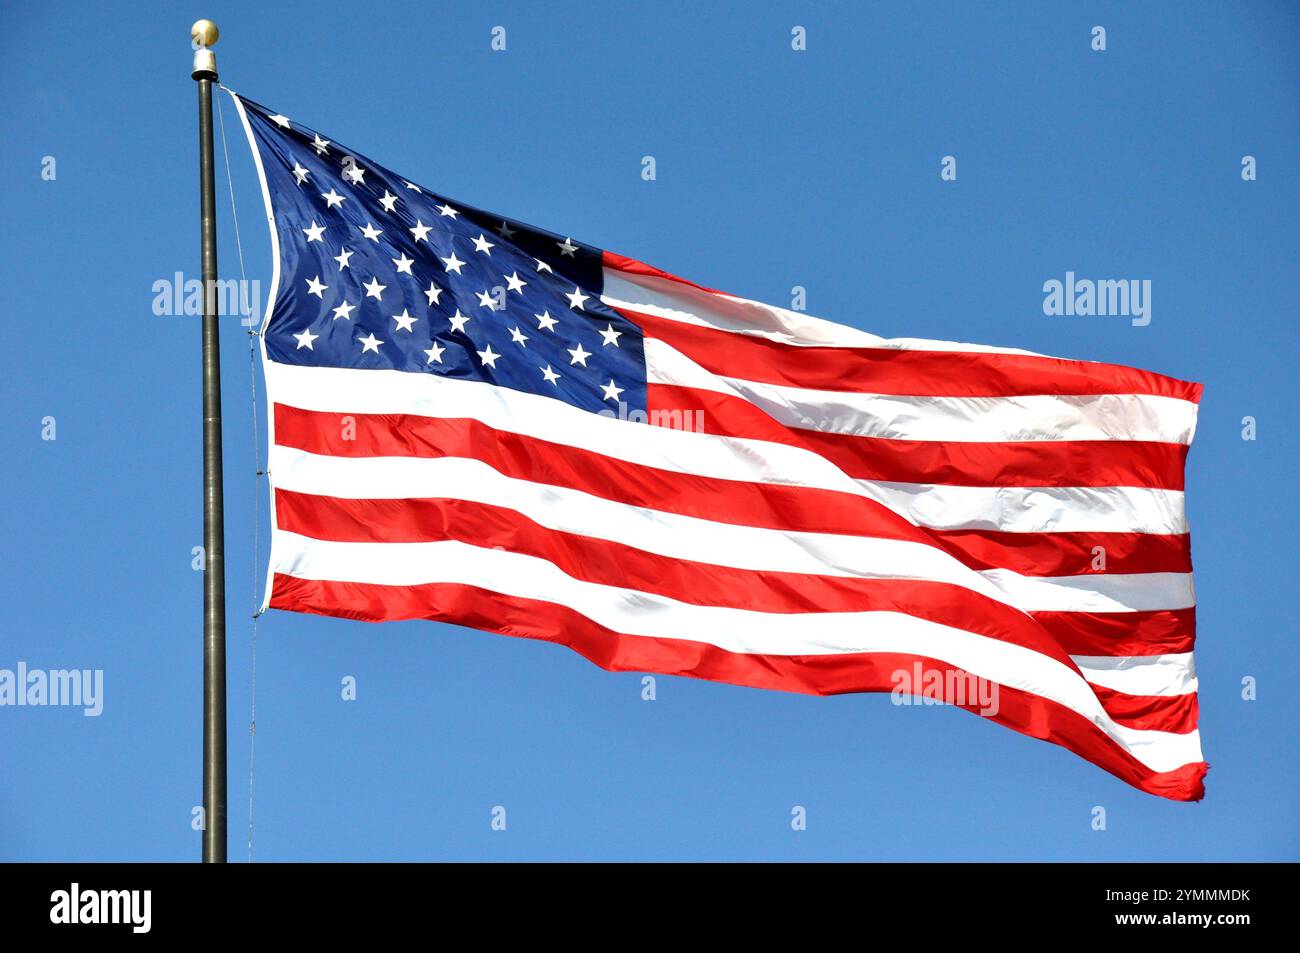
pixel 261 334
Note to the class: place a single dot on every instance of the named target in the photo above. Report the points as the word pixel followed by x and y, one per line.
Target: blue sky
pixel 775 168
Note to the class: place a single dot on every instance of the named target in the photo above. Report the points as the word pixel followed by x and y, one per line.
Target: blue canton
pixel 377 272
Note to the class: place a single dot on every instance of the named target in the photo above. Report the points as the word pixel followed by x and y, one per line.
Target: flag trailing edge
pixel 476 421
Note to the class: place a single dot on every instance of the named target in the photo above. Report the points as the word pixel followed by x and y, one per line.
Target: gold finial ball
pixel 204 33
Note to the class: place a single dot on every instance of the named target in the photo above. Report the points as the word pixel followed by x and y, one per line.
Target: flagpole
pixel 204 34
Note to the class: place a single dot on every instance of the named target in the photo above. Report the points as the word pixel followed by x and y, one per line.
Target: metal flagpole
pixel 204 33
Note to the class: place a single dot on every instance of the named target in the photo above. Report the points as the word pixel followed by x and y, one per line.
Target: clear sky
pixel 775 168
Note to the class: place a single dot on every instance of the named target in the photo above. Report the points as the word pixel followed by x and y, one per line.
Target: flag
pixel 477 421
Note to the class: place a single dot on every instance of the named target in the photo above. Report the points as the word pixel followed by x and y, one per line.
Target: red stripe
pixel 899 371
pixel 960 463
pixel 1177 713
pixel 614 564
pixel 765 505
pixel 1161 632
pixel 1067 554
pixel 614 651
pixel 633 267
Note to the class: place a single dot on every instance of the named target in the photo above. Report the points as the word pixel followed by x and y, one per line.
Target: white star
pixel 389 201
pixel 453 263
pixel 404 264
pixel 579 355
pixel 505 231
pixel 374 289
pixel 315 232
pixel 342 258
pixel 354 174
pixel 514 283
pixel 300 173
pixel 435 352
pixel 488 357
pixel 458 321
pixel 420 230
pixel 404 320
pixel 447 210
pixel 542 266
pixel 545 322
pixel 610 335
pixel 370 343
pixel 567 247
pixel 433 293
pixel 305 338
pixel 482 244
pixel 371 232
pixel 518 337
pixel 314 287
pixel 321 146
pixel 332 198
pixel 413 188
pixel 344 311
pixel 281 121
pixel 485 300
pixel 576 298
pixel 611 392
pixel 549 374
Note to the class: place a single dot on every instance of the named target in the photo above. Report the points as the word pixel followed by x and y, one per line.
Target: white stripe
pixel 1096 509
pixel 1173 674
pixel 734 630
pixel 680 302
pixel 949 419
pixel 1096 592
pixel 1034 509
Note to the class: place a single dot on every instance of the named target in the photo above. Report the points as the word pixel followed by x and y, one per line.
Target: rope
pixel 257 472
pixel 234 212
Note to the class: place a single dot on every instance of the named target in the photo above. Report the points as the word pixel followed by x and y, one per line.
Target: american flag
pixel 480 422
